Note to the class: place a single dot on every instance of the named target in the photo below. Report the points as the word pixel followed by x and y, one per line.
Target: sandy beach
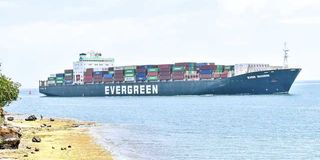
pixel 60 139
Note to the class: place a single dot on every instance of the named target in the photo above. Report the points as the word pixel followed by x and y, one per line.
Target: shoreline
pixel 60 139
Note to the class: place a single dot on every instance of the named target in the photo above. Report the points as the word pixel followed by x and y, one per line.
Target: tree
pixel 9 91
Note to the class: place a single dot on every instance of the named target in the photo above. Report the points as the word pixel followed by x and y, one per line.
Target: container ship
pixel 93 75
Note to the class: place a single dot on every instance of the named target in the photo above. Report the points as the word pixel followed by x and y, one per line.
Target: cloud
pixel 308 20
pixel 237 7
pixel 6 4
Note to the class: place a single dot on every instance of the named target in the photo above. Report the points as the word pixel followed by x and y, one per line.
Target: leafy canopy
pixel 9 90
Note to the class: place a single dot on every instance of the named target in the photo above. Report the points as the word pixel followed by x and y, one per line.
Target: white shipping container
pixel 51 82
pixel 130 67
pixel 129 79
pixel 191 72
pixel 97 69
pixel 52 75
pixel 118 68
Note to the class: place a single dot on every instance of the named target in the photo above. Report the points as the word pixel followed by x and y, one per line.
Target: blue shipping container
pixel 107 76
pixel 141 74
pixel 141 78
pixel 60 75
pixel 68 81
pixel 201 64
pixel 206 71
pixel 97 73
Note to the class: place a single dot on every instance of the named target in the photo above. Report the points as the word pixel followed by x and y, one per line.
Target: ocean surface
pixel 195 127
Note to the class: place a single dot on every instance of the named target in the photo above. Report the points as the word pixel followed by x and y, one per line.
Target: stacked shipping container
pixel 88 76
pixel 129 73
pixel 141 73
pixel 178 71
pixel 206 71
pixel 59 79
pixel 68 76
pixel 97 77
pixel 52 80
pixel 118 74
pixel 153 72
pixel 108 75
pixel 162 72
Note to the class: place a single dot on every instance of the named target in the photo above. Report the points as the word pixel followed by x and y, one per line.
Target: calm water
pixel 196 127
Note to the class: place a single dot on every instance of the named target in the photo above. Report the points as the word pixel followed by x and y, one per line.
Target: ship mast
pixel 286 55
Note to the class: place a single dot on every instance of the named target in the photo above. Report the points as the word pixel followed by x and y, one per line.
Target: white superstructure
pixel 90 60
pixel 248 68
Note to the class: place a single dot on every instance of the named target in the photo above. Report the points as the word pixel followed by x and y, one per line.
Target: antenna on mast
pixel 286 55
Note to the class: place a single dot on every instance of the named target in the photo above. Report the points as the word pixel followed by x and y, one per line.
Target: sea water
pixel 195 127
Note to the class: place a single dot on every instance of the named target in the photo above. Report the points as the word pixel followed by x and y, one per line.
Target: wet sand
pixel 64 139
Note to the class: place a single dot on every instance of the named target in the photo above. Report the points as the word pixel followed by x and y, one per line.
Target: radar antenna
pixel 286 55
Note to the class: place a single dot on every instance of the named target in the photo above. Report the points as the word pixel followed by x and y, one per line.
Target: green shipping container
pixel 129 75
pixel 177 68
pixel 51 78
pixel 192 64
pixel 68 74
pixel 192 69
pixel 59 78
pixel 129 71
pixel 153 78
pixel 111 72
pixel 219 68
pixel 59 82
pixel 153 69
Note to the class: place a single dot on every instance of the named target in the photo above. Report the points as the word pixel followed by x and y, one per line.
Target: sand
pixel 65 139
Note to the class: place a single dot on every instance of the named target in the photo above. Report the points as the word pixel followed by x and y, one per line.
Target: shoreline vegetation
pixel 59 139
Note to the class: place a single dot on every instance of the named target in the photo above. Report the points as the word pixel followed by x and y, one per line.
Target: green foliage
pixel 9 91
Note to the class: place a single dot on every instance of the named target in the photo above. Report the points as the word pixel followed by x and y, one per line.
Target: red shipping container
pixel 68 78
pixel 141 67
pixel 224 74
pixel 168 77
pixel 183 63
pixel 119 80
pixel 89 70
pixel 178 77
pixel 216 75
pixel 164 66
pixel 152 73
pixel 88 77
pixel 107 80
pixel 118 77
pixel 118 71
pixel 164 69
pixel 141 70
pixel 164 73
pixel 177 74
pixel 205 76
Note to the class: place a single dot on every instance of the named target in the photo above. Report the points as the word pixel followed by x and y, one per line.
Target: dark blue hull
pixel 265 82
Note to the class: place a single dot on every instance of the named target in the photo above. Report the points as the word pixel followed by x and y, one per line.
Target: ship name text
pixel 131 90
pixel 258 76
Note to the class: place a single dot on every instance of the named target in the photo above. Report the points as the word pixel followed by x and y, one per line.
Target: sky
pixel 40 37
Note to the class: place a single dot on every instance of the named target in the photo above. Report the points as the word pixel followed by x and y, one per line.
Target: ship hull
pixel 264 82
